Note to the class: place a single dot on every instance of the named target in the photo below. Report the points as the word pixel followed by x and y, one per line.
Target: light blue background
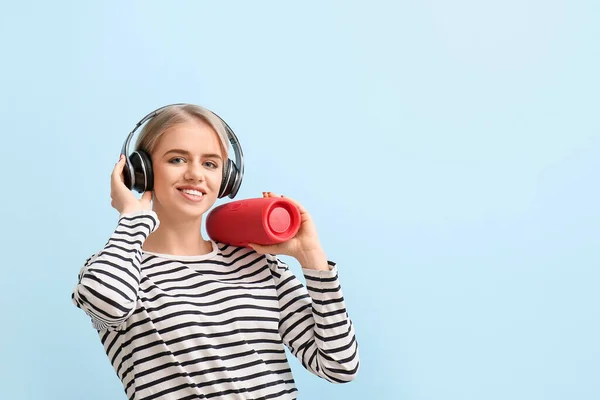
pixel 448 151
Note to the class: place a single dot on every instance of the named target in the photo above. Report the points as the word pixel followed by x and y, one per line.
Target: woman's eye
pixel 176 160
pixel 211 164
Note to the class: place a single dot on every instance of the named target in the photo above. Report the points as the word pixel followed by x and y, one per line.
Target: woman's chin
pixel 178 213
pixel 182 209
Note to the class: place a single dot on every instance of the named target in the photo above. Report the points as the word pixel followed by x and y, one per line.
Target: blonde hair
pixel 177 114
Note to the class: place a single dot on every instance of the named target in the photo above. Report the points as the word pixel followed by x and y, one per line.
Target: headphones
pixel 138 174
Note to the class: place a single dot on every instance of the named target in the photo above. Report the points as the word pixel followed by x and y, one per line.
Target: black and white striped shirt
pixel 214 325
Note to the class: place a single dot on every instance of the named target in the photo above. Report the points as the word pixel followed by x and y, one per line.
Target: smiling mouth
pixel 191 194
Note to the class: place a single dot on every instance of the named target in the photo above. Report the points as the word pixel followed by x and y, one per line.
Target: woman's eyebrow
pixel 187 153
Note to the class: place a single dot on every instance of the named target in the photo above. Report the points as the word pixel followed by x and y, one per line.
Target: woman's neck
pixel 182 238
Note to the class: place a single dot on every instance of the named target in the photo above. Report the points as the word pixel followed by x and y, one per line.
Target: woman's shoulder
pixel 234 252
pixel 249 255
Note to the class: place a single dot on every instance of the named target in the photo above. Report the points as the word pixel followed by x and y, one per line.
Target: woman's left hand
pixel 304 246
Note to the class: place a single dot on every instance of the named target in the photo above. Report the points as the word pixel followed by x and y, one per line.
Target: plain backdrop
pixel 448 151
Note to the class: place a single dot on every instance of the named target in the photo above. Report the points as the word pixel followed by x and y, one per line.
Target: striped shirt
pixel 213 325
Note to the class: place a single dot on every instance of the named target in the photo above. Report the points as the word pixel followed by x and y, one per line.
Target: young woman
pixel 183 317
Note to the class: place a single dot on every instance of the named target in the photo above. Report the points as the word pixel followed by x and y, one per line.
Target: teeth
pixel 192 192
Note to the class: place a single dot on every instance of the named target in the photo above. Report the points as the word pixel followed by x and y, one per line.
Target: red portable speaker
pixel 261 220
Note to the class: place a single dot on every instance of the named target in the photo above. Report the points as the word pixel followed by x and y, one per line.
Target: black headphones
pixel 138 174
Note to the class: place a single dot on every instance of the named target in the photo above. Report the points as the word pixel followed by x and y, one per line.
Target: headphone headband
pixel 228 174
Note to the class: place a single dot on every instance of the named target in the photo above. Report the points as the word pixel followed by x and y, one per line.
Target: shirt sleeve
pixel 108 282
pixel 314 323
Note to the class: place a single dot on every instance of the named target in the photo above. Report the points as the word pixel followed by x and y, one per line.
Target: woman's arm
pixel 109 280
pixel 314 323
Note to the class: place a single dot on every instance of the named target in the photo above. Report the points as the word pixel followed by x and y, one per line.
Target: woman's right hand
pixel 123 199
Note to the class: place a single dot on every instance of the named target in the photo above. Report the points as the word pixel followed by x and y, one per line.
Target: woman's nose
pixel 194 171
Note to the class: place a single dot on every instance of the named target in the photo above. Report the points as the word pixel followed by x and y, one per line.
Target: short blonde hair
pixel 177 114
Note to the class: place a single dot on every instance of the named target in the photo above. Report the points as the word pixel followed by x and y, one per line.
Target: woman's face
pixel 188 167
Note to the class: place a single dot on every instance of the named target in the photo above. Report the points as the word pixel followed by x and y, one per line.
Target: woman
pixel 182 317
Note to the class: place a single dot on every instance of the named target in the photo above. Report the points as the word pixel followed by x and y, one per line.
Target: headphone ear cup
pixel 229 176
pixel 143 175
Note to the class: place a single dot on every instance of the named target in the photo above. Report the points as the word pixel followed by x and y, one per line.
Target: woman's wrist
pixel 313 259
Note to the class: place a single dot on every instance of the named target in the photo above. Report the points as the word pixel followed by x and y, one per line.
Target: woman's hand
pixel 304 246
pixel 123 199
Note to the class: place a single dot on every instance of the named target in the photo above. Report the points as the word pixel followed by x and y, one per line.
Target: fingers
pixel 118 170
pixel 120 163
pixel 270 194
